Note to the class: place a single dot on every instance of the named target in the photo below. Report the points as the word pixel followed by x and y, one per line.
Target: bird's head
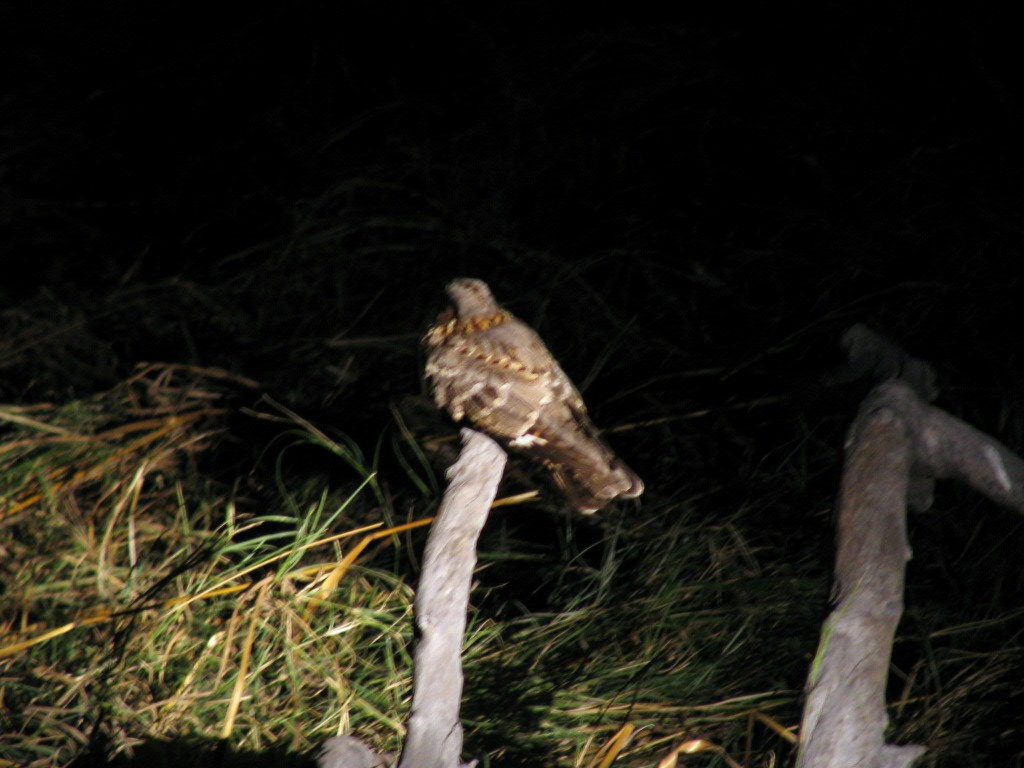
pixel 471 297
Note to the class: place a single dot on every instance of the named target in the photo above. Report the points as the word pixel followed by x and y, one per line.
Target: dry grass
pixel 141 603
pixel 142 606
pixel 151 610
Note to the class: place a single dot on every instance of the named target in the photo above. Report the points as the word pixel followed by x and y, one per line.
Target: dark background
pixel 713 187
pixel 690 209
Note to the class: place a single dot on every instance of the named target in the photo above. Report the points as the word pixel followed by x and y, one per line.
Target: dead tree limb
pixel 895 435
pixel 349 752
pixel 434 737
pixel 434 732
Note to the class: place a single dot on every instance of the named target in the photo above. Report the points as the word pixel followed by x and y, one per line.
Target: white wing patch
pixel 528 440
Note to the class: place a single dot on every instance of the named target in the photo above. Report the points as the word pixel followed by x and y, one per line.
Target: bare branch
pixel 945 447
pixel 349 752
pixel 434 733
pixel 434 738
pixel 844 715
pixel 896 442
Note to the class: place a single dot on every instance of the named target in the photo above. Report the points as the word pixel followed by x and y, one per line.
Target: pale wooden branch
pixel 895 435
pixel 434 736
pixel 844 716
pixel 945 447
pixel 349 752
pixel 434 732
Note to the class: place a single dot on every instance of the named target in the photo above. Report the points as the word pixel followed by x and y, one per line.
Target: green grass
pixel 150 609
pixel 171 611
pixel 145 602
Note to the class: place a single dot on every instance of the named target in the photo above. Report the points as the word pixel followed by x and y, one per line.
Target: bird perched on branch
pixel 492 370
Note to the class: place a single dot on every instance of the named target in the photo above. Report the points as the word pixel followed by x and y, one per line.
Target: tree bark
pixel 434 737
pixel 894 437
pixel 434 731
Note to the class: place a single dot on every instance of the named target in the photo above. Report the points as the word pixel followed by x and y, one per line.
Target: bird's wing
pixel 500 380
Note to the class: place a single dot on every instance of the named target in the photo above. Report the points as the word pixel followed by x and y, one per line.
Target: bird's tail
pixel 584 466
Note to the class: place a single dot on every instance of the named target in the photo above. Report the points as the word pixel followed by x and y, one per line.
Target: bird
pixel 491 370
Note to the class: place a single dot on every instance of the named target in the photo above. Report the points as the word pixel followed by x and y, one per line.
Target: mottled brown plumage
pixel 492 370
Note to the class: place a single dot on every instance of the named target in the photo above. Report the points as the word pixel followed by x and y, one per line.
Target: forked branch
pixel 896 442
